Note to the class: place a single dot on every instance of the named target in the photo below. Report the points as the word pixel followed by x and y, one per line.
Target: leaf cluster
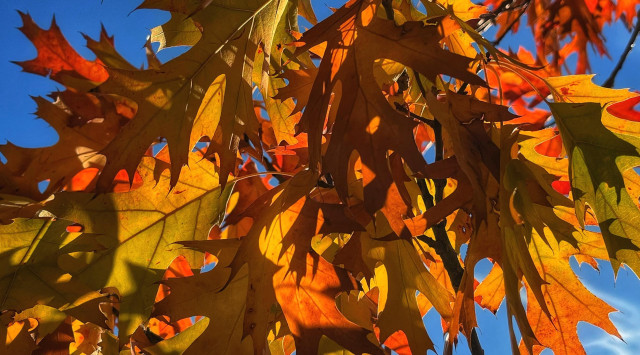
pixel 267 191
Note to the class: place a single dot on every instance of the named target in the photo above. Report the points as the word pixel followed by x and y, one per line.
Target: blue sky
pixel 20 126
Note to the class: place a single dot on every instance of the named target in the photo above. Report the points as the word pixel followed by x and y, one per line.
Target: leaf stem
pixel 248 176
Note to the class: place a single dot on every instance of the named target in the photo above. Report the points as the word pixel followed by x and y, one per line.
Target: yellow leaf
pixel 180 30
pixel 399 275
pixel 170 97
pixel 138 228
pixel 30 274
pixel 179 343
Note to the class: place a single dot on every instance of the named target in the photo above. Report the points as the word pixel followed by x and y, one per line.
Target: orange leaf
pixel 56 57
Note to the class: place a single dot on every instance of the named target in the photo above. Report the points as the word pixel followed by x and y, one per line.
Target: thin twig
pixel 482 26
pixel 270 168
pixel 623 57
pixel 455 270
pixel 274 173
pixel 490 18
pixel 510 27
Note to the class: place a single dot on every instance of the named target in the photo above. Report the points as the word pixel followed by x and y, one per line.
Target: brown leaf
pixel 84 130
pixel 365 122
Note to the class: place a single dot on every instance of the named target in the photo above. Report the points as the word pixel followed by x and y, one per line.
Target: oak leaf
pixel 597 158
pixel 138 227
pixel 364 121
pixel 400 275
pixel 35 272
pixel 568 300
pixel 56 58
pixel 170 97
pixel 78 148
pixel 284 273
pixel 214 296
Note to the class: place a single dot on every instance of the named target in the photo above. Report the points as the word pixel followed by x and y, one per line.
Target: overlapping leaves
pixel 318 251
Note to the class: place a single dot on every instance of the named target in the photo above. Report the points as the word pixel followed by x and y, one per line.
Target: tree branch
pixel 388 8
pixel 623 57
pixel 442 245
pixel 406 111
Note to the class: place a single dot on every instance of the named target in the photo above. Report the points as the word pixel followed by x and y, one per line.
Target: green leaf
pixel 597 159
pixel 180 30
pixel 29 272
pixel 179 343
pixel 138 228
